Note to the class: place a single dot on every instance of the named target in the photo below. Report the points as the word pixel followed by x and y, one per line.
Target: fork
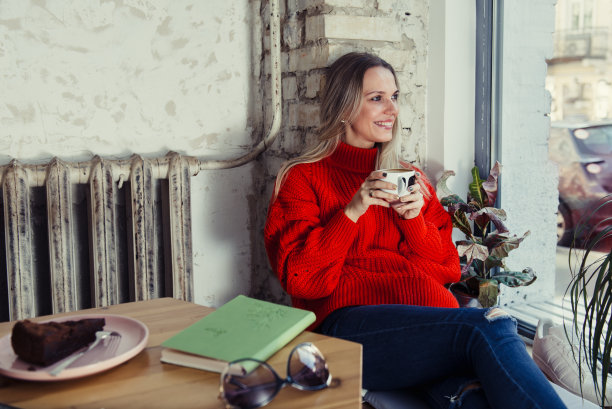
pixel 100 336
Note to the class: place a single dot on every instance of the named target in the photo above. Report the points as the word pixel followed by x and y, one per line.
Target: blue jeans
pixel 443 353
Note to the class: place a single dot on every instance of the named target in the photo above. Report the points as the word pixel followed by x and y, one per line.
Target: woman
pixel 375 272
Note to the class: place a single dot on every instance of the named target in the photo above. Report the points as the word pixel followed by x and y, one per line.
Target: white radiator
pixel 96 233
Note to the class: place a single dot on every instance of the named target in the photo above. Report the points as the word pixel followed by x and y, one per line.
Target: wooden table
pixel 144 382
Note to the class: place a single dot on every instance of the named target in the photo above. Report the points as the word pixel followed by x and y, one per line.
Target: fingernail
pixel 384 174
pixel 417 173
pixel 410 188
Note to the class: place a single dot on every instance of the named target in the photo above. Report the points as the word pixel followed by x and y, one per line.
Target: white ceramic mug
pixel 403 178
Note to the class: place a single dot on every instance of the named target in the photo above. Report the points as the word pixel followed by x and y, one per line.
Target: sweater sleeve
pixel 429 235
pixel 306 255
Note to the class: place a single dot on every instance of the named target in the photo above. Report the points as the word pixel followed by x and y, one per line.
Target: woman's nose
pixel 391 106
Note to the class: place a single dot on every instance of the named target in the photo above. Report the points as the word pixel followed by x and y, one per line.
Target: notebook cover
pixel 242 328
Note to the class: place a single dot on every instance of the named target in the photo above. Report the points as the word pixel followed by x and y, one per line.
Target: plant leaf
pixel 452 201
pixel 466 271
pixel 455 206
pixel 490 186
pixel 487 293
pixel 476 192
pixel 472 251
pixel 441 187
pixel 516 278
pixel 490 214
pixel 473 284
pixel 493 261
pixel 500 244
pixel 461 222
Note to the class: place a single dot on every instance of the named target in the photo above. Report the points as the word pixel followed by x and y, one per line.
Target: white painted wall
pixel 450 84
pixel 112 78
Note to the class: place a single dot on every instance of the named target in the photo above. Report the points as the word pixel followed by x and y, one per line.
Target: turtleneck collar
pixel 354 159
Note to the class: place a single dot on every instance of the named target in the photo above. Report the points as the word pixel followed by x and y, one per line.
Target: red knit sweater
pixel 325 261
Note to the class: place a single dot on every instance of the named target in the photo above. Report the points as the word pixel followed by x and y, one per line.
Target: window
pixel 580 137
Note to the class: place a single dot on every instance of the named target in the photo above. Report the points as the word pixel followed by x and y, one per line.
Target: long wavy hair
pixel 341 103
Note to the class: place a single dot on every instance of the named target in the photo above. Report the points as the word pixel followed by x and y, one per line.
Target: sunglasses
pixel 243 389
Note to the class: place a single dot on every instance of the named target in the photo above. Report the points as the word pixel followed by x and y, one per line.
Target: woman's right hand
pixel 370 194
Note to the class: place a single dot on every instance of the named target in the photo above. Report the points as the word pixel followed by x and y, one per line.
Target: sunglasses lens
pixel 248 390
pixel 307 367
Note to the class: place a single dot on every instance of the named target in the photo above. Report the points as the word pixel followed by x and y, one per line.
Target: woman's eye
pixel 394 97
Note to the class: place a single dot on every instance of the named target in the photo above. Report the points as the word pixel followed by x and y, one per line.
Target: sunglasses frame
pixel 280 382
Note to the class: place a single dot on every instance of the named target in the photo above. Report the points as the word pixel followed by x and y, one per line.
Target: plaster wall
pixel 451 92
pixel 116 77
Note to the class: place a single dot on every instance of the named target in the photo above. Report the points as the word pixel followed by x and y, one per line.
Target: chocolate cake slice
pixel 46 343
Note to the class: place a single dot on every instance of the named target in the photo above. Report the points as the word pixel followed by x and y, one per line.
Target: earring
pixel 342 121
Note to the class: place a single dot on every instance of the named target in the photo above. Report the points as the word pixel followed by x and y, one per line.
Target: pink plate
pixel 134 336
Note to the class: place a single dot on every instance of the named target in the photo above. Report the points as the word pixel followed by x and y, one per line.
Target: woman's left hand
pixel 410 205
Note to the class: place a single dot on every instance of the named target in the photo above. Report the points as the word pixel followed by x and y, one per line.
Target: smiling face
pixel 378 112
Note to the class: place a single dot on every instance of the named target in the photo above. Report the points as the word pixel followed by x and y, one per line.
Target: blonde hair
pixel 340 104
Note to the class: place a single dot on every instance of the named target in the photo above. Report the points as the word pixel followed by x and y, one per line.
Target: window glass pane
pixel 578 79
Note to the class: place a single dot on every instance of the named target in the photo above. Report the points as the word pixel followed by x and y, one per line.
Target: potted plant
pixel 590 291
pixel 487 241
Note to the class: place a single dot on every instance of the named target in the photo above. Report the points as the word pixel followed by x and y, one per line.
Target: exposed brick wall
pixel 315 33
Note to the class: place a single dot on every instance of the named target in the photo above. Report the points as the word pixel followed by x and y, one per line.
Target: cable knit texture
pixel 325 261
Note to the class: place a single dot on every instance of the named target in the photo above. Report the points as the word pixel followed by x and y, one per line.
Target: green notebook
pixel 242 328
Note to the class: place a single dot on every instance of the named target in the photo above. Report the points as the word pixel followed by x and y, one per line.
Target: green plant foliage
pixel 477 193
pixel 487 215
pixel 487 239
pixel 590 293
pixel 472 250
pixel 501 244
pixel 516 278
pixel 490 186
pixel 488 291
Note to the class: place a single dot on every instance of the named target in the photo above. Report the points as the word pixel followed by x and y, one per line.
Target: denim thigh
pixel 427 347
